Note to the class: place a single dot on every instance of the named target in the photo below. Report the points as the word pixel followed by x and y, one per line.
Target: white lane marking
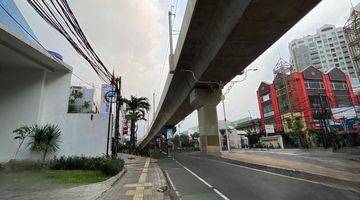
pixel 173 185
pixel 290 177
pixel 198 177
pixel 221 194
pixel 202 180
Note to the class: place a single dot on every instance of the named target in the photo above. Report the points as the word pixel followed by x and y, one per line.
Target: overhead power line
pixel 59 15
pixel 37 41
pixel 18 23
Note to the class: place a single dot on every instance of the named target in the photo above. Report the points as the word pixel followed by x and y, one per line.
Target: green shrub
pixel 107 165
pixel 22 165
pixel 111 166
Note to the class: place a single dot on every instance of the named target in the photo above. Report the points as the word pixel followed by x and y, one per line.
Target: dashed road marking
pixel 202 180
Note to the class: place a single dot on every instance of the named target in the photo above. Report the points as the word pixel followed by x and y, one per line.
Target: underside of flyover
pixel 218 40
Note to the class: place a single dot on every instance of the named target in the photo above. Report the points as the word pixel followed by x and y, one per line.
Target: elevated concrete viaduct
pixel 218 39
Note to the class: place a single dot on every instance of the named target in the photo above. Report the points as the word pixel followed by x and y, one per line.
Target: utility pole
pixel 249 114
pixel 109 122
pixel 154 110
pixel 226 127
pixel 171 56
pixel 117 83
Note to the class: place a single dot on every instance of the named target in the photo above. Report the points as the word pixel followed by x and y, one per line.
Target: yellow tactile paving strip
pixel 140 190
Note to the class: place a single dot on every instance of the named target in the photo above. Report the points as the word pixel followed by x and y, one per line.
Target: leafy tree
pixel 21 134
pixel 297 127
pixel 185 141
pixel 135 111
pixel 45 139
pixel 195 136
pixel 176 140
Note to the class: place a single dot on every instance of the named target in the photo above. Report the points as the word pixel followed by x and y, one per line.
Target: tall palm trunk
pixel 132 135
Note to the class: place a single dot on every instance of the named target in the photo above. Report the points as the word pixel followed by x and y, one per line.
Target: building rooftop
pixel 19 53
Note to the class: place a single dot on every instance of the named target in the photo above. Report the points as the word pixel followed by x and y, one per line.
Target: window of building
pixel 343 101
pixel 310 84
pixel 338 86
pixel 265 97
pixel 268 110
pixel 317 102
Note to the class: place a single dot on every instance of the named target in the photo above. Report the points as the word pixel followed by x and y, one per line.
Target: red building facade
pixel 310 94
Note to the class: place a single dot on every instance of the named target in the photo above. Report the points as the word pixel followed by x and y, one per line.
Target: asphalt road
pixel 198 177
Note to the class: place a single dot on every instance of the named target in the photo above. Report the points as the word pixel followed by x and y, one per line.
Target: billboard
pixel 269 128
pixel 104 105
pixel 343 113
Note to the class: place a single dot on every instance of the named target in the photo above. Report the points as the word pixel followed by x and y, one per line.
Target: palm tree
pixel 21 134
pixel 45 139
pixel 135 111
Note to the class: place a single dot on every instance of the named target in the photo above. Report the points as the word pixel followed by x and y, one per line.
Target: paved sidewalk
pixel 319 162
pixel 141 181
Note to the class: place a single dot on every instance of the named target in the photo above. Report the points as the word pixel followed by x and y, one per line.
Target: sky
pixel 131 37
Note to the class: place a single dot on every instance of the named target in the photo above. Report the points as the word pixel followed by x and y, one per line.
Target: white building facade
pixel 34 89
pixel 324 50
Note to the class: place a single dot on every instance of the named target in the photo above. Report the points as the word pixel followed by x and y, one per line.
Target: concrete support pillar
pixel 205 101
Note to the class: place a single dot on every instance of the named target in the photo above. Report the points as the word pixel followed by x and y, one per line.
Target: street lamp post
pixel 223 104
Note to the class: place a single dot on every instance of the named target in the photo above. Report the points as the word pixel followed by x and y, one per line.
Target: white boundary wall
pixel 80 135
pixel 34 96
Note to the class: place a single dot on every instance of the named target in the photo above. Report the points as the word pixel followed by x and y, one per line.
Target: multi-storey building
pixel 324 50
pixel 352 35
pixel 269 109
pixel 312 95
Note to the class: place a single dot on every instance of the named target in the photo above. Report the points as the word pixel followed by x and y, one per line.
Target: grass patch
pixel 76 176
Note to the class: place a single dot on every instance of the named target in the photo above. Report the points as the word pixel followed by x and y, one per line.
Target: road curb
pixel 173 193
pixel 111 181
